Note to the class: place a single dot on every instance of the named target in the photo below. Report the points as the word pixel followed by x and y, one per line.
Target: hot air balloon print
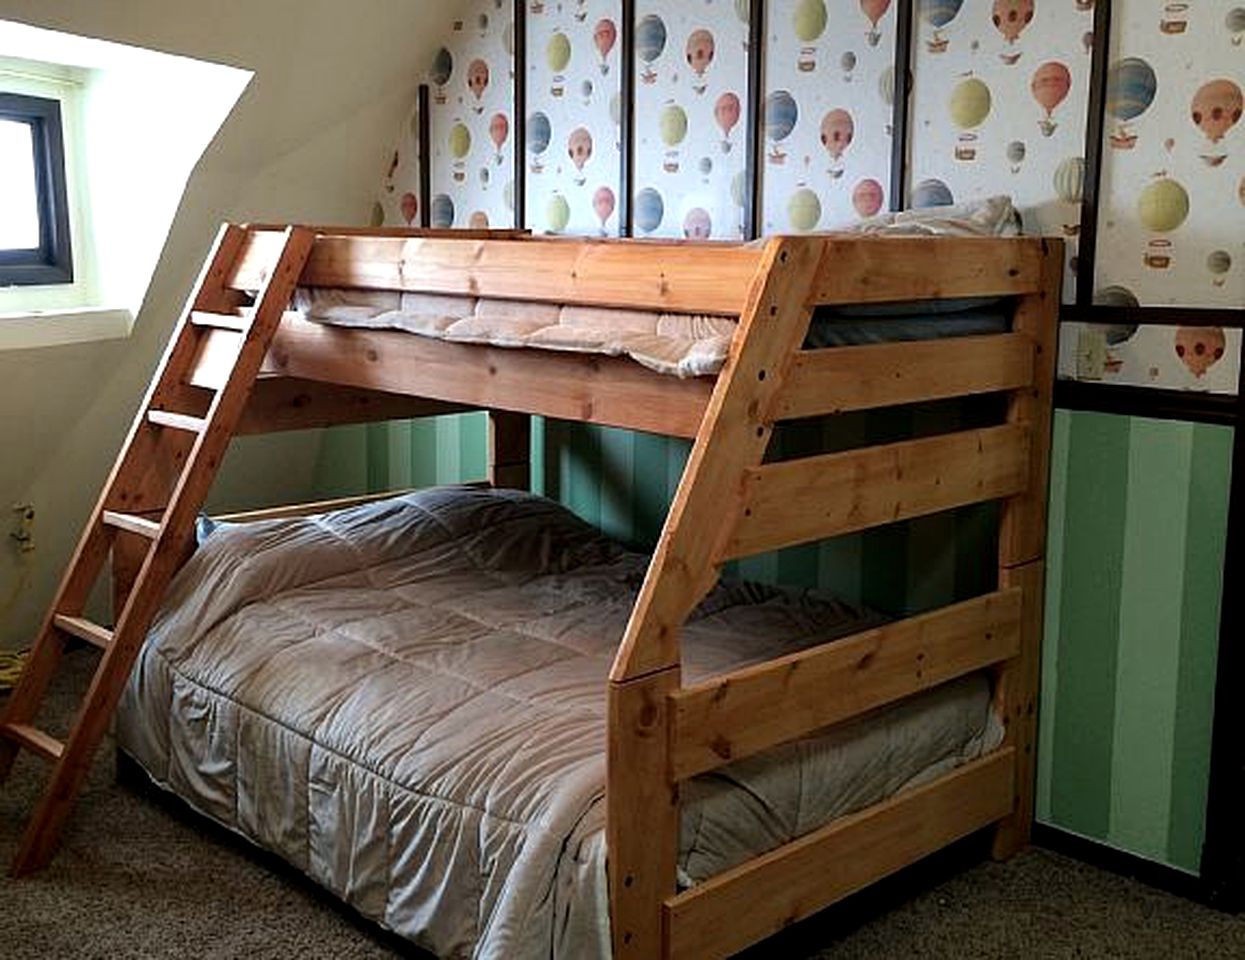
pixel 867 197
pixel 803 210
pixel 477 82
pixel 1174 18
pixel 809 20
pixel 939 13
pixel 726 114
pixel 781 114
pixel 442 69
pixel 1162 207
pixel 1010 17
pixel 1131 86
pixel 1235 22
pixel 1049 86
pixel 672 124
pixel 460 146
pixel 1069 182
pixel 603 206
pixel 847 63
pixel 1016 154
pixel 1200 348
pixel 650 41
pixel 442 212
pixel 697 225
pixel 557 214
pixel 409 205
pixel 558 58
pixel 932 193
pixel 969 106
pixel 649 210
pixel 699 54
pixel 837 130
pixel 585 92
pixel 498 131
pixel 874 10
pixel 1218 262
pixel 478 220
pixel 581 10
pixel 579 149
pixel 604 36
pixel 539 132
pixel 1215 110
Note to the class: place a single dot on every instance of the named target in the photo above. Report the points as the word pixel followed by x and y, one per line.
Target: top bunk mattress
pixel 406 701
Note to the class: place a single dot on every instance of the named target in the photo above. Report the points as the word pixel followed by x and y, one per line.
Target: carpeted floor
pixel 136 877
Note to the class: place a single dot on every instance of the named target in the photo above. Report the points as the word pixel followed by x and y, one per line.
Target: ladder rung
pixel 34 739
pixel 132 523
pixel 84 629
pixel 178 421
pixel 221 321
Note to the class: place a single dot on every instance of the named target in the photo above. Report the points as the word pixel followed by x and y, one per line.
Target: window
pixel 34 213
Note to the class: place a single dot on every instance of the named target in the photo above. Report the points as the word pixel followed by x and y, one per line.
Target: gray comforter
pixel 405 700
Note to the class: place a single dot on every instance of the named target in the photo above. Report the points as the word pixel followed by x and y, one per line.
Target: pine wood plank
pixel 795 501
pixel 220 321
pixel 84 629
pixel 1022 533
pixel 132 522
pixel 743 712
pixel 758 898
pixel 676 276
pixel 1016 703
pixel 839 379
pixel 892 269
pixel 304 509
pixel 290 403
pixel 642 813
pixel 734 434
pixel 612 391
pixel 177 421
pixel 41 743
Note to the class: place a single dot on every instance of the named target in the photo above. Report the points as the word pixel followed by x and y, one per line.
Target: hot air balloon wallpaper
pixel 604 36
pixel 649 210
pixel 803 210
pixel 1218 262
pixel 442 211
pixel 460 146
pixel 442 69
pixel 558 57
pixel 837 130
pixel 557 214
pixel 1215 110
pixel 1234 20
pixel 1200 348
pixel 579 149
pixel 1174 18
pixel 1049 86
pixel 409 205
pixel 847 63
pixel 781 114
pixel 1016 154
pixel 808 19
pixel 939 13
pixel 1131 88
pixel 1069 185
pixel 697 225
pixel 498 132
pixel 1161 207
pixel 650 42
pixel 603 206
pixel 539 132
pixel 699 55
pixel 477 82
pixel 672 122
pixel 969 105
pixel 867 197
pixel 478 220
pixel 726 114
pixel 874 10
pixel 1010 17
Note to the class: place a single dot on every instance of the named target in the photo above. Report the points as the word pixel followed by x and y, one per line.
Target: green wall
pixel 1137 528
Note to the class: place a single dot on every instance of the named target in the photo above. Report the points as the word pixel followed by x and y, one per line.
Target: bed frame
pixel 732 501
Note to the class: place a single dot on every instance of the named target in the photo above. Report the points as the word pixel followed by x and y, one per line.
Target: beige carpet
pixel 138 878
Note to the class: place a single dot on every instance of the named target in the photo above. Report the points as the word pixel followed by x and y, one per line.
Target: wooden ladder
pixel 154 492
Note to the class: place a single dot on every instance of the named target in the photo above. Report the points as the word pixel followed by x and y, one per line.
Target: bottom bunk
pixel 405 700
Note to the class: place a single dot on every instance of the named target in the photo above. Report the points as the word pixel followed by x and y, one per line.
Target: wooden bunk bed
pixel 240 362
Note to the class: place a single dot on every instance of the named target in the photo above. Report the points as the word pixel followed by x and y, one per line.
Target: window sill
pixel 51 328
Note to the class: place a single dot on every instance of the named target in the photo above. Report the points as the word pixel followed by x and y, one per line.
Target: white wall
pixel 306 143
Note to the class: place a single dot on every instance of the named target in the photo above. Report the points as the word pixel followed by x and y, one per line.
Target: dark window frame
pixel 52 261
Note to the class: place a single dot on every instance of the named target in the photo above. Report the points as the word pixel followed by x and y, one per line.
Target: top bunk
pixel 732 293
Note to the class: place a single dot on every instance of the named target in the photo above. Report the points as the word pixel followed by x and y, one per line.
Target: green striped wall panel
pixel 1137 528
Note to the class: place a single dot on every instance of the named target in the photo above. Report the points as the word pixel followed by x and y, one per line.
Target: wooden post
pixel 642 811
pixel 1022 548
pixel 509 450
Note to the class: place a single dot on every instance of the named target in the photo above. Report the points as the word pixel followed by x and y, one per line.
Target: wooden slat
pixel 642 813
pixel 758 898
pixel 796 501
pixel 133 523
pixel 304 509
pixel 838 379
pixel 32 738
pixel 704 278
pixel 220 321
pixel 84 629
pixel 177 421
pixel 215 355
pixel 607 390
pixel 743 712
pixel 290 403
pixel 891 269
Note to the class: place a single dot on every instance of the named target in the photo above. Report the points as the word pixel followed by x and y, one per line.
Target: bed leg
pixel 642 813
pixel 509 450
pixel 1015 698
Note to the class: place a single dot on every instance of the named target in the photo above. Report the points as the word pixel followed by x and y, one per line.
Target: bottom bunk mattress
pixel 406 701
